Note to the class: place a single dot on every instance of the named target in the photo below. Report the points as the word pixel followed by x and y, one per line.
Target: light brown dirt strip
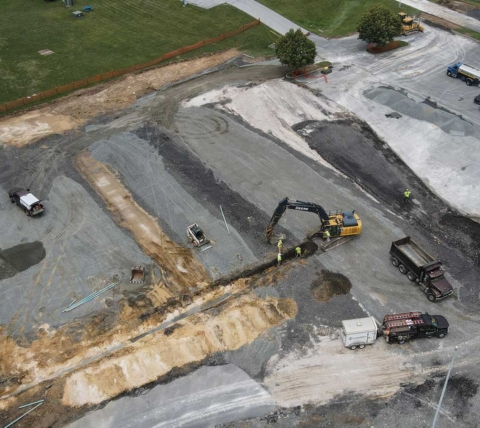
pixel 240 322
pixel 180 269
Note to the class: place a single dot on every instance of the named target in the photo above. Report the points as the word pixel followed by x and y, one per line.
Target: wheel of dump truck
pixel 12 200
pixel 431 297
pixel 401 341
pixel 363 346
pixel 411 276
pixel 449 74
pixel 353 347
pixel 403 270
pixel 395 261
pixel 469 82
pixel 441 335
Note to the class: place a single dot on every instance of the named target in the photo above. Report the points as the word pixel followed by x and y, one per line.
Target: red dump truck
pixel 421 267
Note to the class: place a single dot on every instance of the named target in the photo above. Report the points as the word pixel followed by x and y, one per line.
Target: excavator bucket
pixel 137 275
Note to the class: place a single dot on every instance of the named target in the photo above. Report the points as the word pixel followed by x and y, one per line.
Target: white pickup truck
pixel 24 199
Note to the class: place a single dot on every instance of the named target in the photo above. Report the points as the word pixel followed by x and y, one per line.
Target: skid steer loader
pixel 196 236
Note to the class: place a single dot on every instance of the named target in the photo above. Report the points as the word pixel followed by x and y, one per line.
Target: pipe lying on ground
pixel 25 414
pixel 89 297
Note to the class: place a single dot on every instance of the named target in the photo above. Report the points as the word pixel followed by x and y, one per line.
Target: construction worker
pixel 327 235
pixel 279 259
pixel 406 195
pixel 280 245
pixel 298 250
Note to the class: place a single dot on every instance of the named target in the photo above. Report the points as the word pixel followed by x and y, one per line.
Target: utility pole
pixel 444 389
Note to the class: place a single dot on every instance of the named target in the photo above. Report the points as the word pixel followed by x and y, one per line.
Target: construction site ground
pixel 224 336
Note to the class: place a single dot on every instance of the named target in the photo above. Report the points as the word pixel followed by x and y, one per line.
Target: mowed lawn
pixel 117 34
pixel 330 17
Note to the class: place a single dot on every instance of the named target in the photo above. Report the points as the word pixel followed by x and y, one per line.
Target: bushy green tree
pixel 379 26
pixel 296 50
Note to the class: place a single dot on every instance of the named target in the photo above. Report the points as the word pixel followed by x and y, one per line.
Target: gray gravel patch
pixel 84 250
pixel 147 177
pixel 398 101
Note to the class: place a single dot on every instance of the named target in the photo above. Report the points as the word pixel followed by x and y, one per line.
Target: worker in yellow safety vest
pixel 406 195
pixel 298 250
pixel 280 245
pixel 327 235
pixel 279 259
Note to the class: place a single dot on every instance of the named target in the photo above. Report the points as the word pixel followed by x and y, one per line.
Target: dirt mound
pixel 328 285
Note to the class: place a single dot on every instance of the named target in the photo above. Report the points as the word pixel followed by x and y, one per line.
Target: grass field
pixel 329 17
pixel 117 34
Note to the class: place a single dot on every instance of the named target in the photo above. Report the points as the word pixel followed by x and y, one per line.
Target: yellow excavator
pixel 409 25
pixel 340 224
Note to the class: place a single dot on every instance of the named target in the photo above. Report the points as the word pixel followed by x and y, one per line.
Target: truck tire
pixel 411 276
pixel 441 334
pixel 403 270
pixel 394 261
pixel 401 341
pixel 12 200
pixel 449 74
pixel 431 297
pixel 469 82
pixel 353 347
pixel 363 346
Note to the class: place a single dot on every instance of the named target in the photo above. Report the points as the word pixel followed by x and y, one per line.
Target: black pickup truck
pixel 421 267
pixel 411 325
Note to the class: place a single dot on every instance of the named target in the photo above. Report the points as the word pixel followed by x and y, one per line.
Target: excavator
pixel 340 224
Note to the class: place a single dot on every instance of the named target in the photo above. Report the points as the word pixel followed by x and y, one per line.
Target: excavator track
pixel 334 243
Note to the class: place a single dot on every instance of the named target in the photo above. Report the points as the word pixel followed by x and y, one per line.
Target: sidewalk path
pixel 257 10
pixel 444 13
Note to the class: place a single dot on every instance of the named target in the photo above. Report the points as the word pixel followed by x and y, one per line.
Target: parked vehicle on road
pixel 24 199
pixel 476 100
pixel 421 267
pixel 411 325
pixel 470 75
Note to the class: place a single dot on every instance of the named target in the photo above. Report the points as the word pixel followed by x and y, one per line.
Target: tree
pixel 379 26
pixel 296 50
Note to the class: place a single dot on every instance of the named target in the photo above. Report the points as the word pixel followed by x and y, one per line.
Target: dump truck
pixel 30 204
pixel 411 325
pixel 409 24
pixel 470 75
pixel 396 328
pixel 420 267
pixel 359 332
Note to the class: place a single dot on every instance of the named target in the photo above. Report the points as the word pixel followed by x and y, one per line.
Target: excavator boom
pixel 294 205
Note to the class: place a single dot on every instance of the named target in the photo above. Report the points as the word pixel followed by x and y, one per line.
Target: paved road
pixel 205 398
pixel 444 13
pixel 257 10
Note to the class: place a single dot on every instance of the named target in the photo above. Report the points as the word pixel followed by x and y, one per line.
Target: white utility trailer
pixel 359 332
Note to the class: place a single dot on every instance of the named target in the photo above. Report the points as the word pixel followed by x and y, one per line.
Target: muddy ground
pixel 171 165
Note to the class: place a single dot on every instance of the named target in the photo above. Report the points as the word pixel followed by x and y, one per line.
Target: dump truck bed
pixel 410 249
